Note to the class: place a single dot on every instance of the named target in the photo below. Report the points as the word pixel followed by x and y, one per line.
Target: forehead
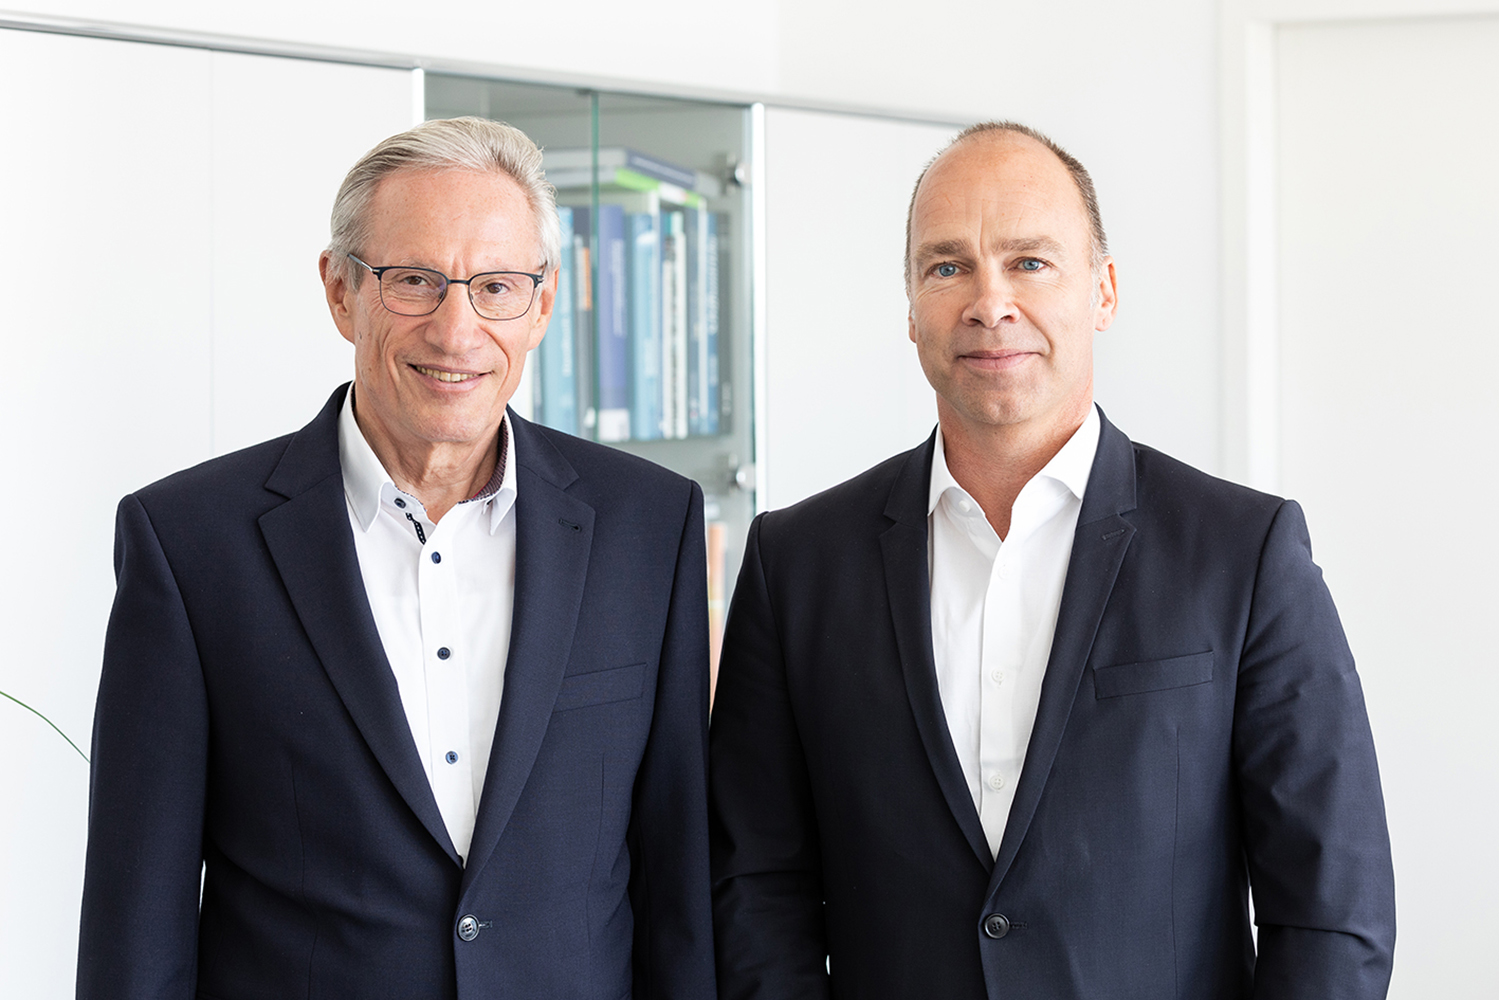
pixel 441 213
pixel 1003 181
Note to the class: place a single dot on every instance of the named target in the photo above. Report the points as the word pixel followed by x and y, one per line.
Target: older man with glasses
pixel 420 691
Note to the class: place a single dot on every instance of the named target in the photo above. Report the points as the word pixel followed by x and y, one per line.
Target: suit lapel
pixel 313 547
pixel 904 546
pixel 553 537
pixel 1098 548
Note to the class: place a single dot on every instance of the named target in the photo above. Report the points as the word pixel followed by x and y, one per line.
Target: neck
pixel 994 462
pixel 440 474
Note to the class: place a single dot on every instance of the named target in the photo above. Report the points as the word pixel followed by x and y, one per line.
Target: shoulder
pixel 1161 476
pixel 221 483
pixel 239 480
pixel 1169 487
pixel 1188 516
pixel 863 506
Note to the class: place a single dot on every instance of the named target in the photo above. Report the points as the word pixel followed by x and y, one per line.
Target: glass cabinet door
pixel 649 348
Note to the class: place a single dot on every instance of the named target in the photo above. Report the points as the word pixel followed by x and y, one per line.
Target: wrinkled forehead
pixel 453 204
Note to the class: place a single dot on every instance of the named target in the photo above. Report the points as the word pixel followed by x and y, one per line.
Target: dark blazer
pixel 248 719
pixel 1200 722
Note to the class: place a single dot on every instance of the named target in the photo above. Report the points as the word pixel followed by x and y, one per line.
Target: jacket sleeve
pixel 139 929
pixel 1317 845
pixel 668 832
pixel 767 881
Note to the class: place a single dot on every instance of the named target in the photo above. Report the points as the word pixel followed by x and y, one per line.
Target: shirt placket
pixel 1000 662
pixel 443 661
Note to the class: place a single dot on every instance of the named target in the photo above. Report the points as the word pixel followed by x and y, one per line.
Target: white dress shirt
pixel 442 596
pixel 994 612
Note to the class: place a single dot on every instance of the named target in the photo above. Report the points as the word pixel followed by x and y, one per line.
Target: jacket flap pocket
pixel 599 687
pixel 1153 675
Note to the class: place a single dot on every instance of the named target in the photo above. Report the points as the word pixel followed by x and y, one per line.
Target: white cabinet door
pixel 843 389
pixel 161 216
pixel 285 131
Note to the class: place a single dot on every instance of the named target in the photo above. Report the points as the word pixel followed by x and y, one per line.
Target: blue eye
pixel 946 270
pixel 1032 264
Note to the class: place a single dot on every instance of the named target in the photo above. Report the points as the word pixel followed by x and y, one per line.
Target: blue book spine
pixel 612 355
pixel 644 234
pixel 558 352
pixel 711 396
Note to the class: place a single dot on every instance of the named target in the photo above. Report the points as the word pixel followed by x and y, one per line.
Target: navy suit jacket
pixel 248 719
pixel 1201 728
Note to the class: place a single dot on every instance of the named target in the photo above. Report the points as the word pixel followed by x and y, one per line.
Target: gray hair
pixel 445 144
pixel 1100 242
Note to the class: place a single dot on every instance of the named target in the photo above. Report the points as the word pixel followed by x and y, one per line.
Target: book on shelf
pixel 702 308
pixel 674 333
pixel 611 158
pixel 568 181
pixel 612 349
pixel 584 339
pixel 644 348
pixel 557 355
pixel 645 324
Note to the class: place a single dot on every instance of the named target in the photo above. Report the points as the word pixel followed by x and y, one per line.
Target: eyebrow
pixel 962 248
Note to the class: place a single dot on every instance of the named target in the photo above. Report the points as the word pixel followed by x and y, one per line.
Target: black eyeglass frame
pixel 443 292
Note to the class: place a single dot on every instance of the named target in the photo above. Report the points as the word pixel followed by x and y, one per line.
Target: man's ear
pixel 542 314
pixel 1106 294
pixel 339 292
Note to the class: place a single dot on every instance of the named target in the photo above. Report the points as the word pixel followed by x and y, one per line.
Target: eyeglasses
pixel 418 291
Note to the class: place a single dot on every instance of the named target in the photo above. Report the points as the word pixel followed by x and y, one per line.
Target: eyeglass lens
pixel 416 291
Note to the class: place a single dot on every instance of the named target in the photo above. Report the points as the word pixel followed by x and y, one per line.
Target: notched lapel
pixel 1098 548
pixel 312 544
pixel 553 539
pixel 904 547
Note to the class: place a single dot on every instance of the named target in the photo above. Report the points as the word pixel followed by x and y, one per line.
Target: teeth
pixel 444 376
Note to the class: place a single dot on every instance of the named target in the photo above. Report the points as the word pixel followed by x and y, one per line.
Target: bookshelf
pixel 650 348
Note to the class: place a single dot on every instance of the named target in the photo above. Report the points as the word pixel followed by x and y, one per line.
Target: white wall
pixel 166 248
pixel 843 388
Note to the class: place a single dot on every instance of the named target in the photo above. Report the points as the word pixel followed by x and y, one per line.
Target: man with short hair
pixel 420 689
pixel 1028 710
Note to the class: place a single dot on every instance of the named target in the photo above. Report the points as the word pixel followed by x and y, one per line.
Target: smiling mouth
pixel 442 376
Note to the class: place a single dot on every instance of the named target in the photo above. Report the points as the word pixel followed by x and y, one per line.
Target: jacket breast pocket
pixel 1153 675
pixel 600 687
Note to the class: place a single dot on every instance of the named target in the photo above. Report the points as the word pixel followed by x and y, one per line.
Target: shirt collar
pixel 365 477
pixel 1071 466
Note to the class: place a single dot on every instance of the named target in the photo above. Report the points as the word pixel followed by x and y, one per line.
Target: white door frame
pixel 1248 146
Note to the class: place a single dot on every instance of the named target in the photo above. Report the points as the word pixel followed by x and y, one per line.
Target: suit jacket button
pixel 468 927
pixel 996 925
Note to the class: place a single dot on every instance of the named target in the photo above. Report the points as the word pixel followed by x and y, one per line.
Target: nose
pixel 455 328
pixel 993 299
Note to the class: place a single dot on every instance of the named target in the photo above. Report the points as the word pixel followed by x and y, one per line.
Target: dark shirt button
pixel 437 557
pixel 400 503
pixel 444 653
pixel 451 757
pixel 468 927
pixel 996 925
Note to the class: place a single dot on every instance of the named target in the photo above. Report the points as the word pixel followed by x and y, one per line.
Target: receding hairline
pixel 1014 132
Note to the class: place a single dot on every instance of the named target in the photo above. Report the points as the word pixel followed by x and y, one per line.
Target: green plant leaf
pixel 48 721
